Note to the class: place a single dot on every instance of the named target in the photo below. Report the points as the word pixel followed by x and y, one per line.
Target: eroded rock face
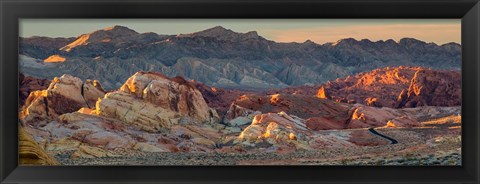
pixel 154 102
pixel 64 95
pixel 432 88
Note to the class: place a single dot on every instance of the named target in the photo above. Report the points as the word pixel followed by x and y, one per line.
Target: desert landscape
pixel 218 97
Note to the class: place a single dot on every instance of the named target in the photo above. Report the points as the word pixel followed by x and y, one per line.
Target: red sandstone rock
pixel 390 87
pixel 432 88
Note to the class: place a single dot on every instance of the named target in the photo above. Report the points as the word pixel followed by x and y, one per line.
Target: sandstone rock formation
pixel 64 95
pixel 281 132
pixel 432 88
pixel 319 114
pixel 30 153
pixel 396 87
pixel 378 88
pixel 94 136
pixel 276 129
pixel 153 102
pixel 150 113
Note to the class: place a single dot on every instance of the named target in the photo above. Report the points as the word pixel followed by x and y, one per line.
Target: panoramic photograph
pixel 174 92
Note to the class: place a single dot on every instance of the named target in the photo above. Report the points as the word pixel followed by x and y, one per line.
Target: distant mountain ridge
pixel 223 58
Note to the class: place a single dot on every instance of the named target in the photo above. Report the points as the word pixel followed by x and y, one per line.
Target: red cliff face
pixel 397 87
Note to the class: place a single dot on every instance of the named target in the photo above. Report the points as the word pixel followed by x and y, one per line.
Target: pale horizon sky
pixel 439 31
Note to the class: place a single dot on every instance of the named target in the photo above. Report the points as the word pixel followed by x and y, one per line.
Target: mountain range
pixel 222 58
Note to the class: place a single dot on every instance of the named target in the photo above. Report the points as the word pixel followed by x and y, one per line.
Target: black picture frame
pixel 12 11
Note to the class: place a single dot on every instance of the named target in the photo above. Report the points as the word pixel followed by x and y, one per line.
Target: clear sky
pixel 320 31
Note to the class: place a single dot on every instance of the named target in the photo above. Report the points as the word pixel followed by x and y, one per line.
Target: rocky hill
pixel 220 57
pixel 395 87
pixel 315 113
